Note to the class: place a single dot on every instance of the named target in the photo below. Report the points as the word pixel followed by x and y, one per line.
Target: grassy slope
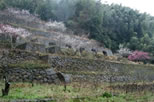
pixel 85 92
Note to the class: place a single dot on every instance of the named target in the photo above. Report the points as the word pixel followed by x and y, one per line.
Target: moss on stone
pixel 31 64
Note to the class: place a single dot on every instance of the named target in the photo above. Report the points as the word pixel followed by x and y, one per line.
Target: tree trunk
pixel 5 91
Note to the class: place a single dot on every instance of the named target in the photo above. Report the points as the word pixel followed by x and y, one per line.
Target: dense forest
pixel 111 25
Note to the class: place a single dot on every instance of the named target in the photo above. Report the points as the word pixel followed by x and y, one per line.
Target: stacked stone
pixel 31 75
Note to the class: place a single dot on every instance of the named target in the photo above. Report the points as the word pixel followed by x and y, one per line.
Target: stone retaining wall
pixel 15 56
pixel 78 68
pixel 98 70
pixel 31 75
pixel 24 74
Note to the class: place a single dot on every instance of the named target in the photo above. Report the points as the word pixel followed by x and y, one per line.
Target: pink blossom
pixel 138 55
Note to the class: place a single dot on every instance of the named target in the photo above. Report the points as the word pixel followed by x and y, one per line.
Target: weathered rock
pixel 50 71
pixel 67 78
pixel 32 47
pixel 64 77
pixel 107 52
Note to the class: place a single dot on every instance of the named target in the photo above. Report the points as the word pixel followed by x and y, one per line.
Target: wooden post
pixel 5 91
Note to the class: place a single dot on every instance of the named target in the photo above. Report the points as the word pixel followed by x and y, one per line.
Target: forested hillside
pixel 111 25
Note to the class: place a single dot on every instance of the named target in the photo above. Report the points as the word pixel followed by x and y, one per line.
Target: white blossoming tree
pixel 13 32
pixel 123 51
pixel 56 26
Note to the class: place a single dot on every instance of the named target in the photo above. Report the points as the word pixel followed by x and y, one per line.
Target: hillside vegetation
pixel 109 24
pixel 61 51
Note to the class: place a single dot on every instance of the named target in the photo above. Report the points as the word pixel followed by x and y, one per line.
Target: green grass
pixel 31 64
pixel 76 92
pixel 134 97
pixel 26 91
pixel 84 72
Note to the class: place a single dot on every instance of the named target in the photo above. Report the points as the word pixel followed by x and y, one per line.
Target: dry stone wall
pixel 18 74
pixel 31 75
pixel 15 56
pixel 78 68
pixel 101 71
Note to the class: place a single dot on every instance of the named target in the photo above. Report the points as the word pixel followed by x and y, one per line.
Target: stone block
pixel 32 47
pixel 50 71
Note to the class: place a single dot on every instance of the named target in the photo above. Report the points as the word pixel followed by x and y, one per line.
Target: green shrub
pixel 107 95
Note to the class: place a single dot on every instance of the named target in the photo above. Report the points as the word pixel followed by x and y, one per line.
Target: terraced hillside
pixel 45 32
pixel 77 69
pixel 50 34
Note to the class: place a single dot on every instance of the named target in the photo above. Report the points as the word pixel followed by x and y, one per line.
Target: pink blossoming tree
pixel 139 56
